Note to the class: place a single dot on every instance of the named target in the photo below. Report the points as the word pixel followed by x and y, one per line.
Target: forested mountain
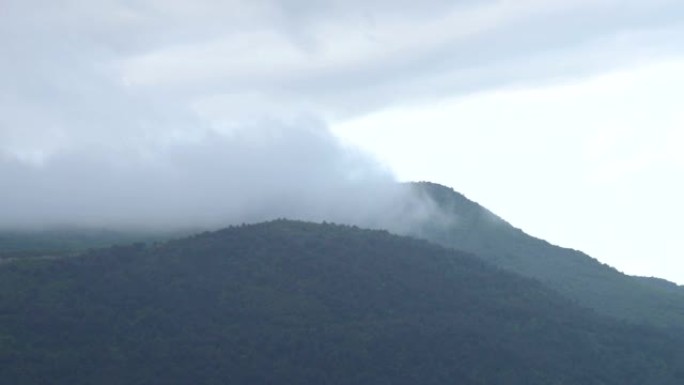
pixel 574 274
pixel 457 223
pixel 299 303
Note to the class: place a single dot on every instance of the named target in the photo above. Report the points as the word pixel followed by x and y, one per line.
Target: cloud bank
pixel 254 174
pixel 167 112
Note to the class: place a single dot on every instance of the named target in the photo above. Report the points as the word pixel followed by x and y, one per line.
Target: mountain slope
pixel 299 303
pixel 574 274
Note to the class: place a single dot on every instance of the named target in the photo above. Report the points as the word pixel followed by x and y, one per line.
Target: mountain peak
pixel 473 228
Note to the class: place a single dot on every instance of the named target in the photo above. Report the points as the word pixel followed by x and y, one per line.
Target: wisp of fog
pixel 250 174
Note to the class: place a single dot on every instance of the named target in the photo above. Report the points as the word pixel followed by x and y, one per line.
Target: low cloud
pixel 252 174
pixel 162 113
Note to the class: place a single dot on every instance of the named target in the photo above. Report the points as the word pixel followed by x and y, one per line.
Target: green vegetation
pixel 298 303
pixel 69 241
pixel 470 227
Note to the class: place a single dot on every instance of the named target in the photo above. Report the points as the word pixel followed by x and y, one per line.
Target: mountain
pixel 289 302
pixel 453 221
pixel 471 227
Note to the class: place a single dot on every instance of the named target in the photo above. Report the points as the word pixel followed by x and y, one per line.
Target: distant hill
pixel 299 303
pixel 572 273
pixel 71 240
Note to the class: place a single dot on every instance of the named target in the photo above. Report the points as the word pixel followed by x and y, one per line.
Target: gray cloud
pixel 121 66
pixel 369 57
pixel 256 173
pixel 168 112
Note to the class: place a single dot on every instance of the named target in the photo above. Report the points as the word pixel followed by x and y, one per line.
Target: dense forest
pixel 299 303
pixel 572 273
pixel 458 223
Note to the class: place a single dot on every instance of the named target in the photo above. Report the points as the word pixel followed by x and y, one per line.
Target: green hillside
pixel 298 303
pixel 574 274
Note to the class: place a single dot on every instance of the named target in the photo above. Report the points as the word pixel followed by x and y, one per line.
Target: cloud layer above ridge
pixel 165 112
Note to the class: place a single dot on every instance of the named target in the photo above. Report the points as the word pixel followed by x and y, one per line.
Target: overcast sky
pixel 561 116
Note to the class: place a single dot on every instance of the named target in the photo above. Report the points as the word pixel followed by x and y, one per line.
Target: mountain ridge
pixel 457 222
pixel 571 272
pixel 297 302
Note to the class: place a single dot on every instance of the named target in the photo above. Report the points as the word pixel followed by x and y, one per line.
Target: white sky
pixel 596 164
pixel 562 116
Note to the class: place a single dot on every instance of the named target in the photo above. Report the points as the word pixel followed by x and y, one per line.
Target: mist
pixel 216 179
